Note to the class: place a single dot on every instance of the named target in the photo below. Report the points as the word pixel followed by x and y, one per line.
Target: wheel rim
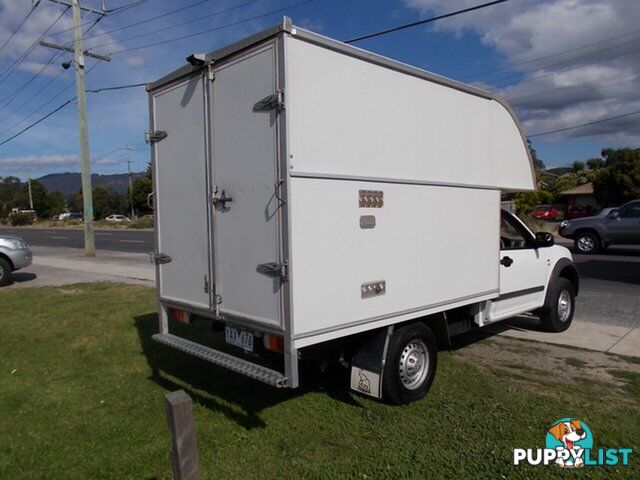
pixel 564 306
pixel 586 243
pixel 414 364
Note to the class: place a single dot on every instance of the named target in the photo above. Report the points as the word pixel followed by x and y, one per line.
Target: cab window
pixel 513 235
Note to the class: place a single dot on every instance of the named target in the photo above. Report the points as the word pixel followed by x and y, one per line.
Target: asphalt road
pixel 140 241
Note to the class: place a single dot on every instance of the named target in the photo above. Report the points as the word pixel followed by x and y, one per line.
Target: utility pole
pixel 128 149
pixel 78 63
pixel 30 195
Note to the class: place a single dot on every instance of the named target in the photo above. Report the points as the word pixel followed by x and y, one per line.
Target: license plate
pixel 239 338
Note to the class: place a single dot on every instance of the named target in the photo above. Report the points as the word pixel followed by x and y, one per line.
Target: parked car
pixel 545 212
pixel 75 216
pixel 14 255
pixel 117 218
pixel 620 226
pixel 579 211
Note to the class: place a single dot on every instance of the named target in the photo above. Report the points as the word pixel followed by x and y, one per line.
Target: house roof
pixel 586 189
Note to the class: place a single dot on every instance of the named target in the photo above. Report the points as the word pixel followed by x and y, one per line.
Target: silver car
pixel 14 255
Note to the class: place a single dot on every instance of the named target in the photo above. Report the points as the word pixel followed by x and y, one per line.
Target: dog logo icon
pixel 570 437
pixel 364 384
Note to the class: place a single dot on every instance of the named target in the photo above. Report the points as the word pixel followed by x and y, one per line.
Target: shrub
pixel 144 222
pixel 19 219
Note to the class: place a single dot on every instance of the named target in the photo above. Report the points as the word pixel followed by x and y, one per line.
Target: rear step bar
pixel 257 372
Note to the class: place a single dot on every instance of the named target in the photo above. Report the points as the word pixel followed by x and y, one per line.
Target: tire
pixel 587 243
pixel 400 383
pixel 563 303
pixel 5 272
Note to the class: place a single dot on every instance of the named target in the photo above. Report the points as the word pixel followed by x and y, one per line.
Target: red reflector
pixel 180 315
pixel 273 343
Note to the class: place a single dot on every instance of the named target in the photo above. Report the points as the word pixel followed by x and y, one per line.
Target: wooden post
pixel 184 452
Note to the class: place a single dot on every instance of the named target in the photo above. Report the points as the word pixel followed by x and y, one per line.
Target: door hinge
pixel 206 284
pixel 153 136
pixel 275 101
pixel 273 269
pixel 159 258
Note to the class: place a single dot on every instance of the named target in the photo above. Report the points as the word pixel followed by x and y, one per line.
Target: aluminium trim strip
pixel 356 323
pixel 520 293
pixel 401 181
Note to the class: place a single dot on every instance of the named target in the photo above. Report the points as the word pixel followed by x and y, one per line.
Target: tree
pixel 619 181
pixel 106 202
pixel 74 202
pixel 38 194
pixel 577 166
pixel 54 204
pixel 141 189
pixel 538 164
pixel 595 163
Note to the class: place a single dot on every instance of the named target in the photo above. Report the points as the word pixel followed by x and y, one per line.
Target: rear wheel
pixel 410 365
pixel 5 272
pixel 560 314
pixel 587 243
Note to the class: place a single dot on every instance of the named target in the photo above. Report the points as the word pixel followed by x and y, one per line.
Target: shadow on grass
pixel 239 398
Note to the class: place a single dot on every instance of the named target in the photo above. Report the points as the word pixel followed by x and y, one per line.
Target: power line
pixel 569 90
pixel 60 107
pixel 12 96
pixel 199 18
pixel 7 71
pixel 38 109
pixel 422 22
pixel 571 67
pixel 220 27
pixel 142 22
pixel 119 87
pixel 21 88
pixel 19 26
pixel 37 122
pixel 533 60
pixel 602 120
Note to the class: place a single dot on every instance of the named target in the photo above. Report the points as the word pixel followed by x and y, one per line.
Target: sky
pixel 560 63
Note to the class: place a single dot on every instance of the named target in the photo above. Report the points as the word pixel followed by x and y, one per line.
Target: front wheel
pixel 587 243
pixel 410 365
pixel 5 272
pixel 558 318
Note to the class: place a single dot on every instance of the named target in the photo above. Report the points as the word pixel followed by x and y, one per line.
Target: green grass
pixel 576 362
pixel 82 387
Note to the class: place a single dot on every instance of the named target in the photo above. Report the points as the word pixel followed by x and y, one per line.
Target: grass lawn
pixel 82 387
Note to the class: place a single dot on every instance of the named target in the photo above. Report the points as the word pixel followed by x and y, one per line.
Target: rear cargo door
pixel 246 206
pixel 180 175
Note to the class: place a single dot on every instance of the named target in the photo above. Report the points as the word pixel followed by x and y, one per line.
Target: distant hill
pixel 70 182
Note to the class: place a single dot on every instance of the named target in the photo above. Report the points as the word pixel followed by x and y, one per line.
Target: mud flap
pixel 367 364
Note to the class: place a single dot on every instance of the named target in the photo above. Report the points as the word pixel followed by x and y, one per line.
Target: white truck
pixel 320 201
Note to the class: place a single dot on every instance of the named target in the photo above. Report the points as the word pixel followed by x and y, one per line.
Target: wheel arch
pixel 564 268
pixel 5 257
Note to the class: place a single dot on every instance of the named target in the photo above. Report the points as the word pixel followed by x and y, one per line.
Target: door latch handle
pixel 221 200
pixel 506 261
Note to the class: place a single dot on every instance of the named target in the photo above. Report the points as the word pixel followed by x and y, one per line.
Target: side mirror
pixel 613 214
pixel 544 239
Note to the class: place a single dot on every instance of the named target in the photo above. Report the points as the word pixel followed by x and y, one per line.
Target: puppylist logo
pixel 569 444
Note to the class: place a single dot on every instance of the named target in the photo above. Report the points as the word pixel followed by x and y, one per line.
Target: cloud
pixel 596 77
